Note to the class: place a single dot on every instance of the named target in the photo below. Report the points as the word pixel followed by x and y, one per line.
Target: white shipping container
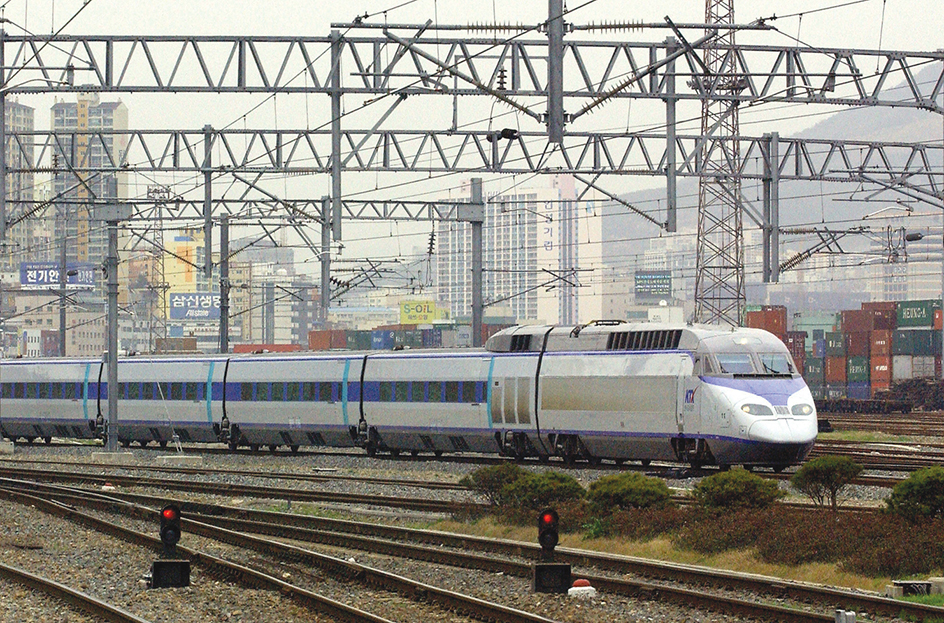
pixel 449 338
pixel 922 367
pixel 903 367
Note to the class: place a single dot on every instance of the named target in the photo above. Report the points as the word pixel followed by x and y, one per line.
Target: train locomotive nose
pixel 783 430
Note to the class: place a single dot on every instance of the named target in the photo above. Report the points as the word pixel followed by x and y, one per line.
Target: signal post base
pixel 550 577
pixel 170 574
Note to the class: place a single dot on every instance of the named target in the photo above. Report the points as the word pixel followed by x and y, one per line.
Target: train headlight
pixel 757 409
pixel 802 409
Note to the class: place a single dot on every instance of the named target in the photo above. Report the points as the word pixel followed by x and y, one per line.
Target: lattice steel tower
pixel 719 272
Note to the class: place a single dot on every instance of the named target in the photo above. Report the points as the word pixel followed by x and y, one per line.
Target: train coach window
pixel 278 392
pixel 176 391
pixel 56 393
pixel 735 363
pixel 134 391
pixel 326 392
pixel 19 390
pixel 309 391
pixel 435 391
pixel 246 391
pixel 468 391
pixel 418 391
pixel 6 390
pixel 190 391
pixel 386 392
pixel 147 391
pixel 401 391
pixel 43 390
pixel 292 392
pixel 452 391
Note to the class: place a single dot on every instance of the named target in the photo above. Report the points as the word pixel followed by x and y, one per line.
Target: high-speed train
pixel 607 390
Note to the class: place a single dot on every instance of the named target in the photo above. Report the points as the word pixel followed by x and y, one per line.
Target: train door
pixel 511 404
pixel 688 411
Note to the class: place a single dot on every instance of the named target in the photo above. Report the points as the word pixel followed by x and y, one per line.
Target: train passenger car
pixel 610 390
pixel 292 400
pixel 48 398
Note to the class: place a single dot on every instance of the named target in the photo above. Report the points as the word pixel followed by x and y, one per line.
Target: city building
pixel 539 247
pixel 76 191
pixel 29 238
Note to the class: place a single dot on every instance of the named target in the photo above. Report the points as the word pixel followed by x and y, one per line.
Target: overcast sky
pixel 912 25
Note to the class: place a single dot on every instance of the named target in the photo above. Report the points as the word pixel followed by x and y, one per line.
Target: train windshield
pixel 735 363
pixel 776 363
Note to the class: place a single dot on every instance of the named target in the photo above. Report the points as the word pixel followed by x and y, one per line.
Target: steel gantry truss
pixel 537 72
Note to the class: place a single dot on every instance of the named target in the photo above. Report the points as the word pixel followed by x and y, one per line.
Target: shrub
pixel 823 478
pixel 532 492
pixel 625 491
pixel 491 481
pixel 736 488
pixel 920 496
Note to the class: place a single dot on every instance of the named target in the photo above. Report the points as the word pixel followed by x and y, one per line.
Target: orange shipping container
pixel 773 320
pixel 880 386
pixel 881 343
pixel 319 340
pixel 835 369
pixel 270 348
pixel 881 369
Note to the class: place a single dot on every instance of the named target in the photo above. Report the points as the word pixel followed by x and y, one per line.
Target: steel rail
pixel 298 495
pixel 318 477
pixel 417 591
pixel 83 601
pixel 345 533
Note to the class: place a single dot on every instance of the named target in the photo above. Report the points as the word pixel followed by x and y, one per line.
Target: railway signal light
pixel 170 527
pixel 170 572
pixel 547 531
pixel 548 576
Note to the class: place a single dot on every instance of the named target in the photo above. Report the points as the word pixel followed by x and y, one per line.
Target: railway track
pixel 429 546
pixel 235 525
pixel 87 603
pixel 253 576
pixel 921 424
pixel 279 493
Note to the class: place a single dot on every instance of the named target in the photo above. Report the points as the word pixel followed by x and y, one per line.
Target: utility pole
pixel 62 288
pixel 477 218
pixel 325 261
pixel 555 71
pixel 207 201
pixel 224 284
pixel 111 215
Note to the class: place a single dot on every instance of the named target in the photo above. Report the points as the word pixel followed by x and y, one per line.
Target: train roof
pixel 610 335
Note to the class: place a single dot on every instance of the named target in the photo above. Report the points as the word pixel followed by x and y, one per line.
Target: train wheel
pixel 294 449
pixel 543 458
pixel 394 453
pixel 30 440
pixel 569 459
pixel 414 452
pixel 126 443
pixel 143 443
pixel 47 440
pixel 593 460
pixel 162 443
pixel 253 447
pixel 371 450
pixel 438 453
pixel 233 444
pixel 645 462
pixel 619 462
pixel 273 447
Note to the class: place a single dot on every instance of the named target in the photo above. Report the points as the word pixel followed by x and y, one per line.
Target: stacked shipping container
pixel 861 352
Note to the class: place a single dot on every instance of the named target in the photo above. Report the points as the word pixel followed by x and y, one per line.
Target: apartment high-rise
pixel 28 239
pixel 531 255
pixel 77 191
